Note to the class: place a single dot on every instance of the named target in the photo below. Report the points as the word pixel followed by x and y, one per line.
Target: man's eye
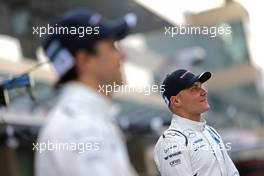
pixel 194 88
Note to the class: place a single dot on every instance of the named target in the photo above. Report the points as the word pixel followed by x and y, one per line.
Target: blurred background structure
pixel 236 91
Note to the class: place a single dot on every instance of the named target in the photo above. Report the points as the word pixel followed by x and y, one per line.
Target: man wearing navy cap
pixel 189 147
pixel 81 136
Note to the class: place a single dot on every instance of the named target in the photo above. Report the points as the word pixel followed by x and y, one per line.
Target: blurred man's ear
pixel 84 61
pixel 81 57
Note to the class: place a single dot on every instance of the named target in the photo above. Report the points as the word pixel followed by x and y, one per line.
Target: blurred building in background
pixel 236 91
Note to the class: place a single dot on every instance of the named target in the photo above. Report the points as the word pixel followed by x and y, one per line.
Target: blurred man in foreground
pixel 81 136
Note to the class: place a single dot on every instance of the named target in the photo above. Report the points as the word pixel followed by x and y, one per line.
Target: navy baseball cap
pixel 81 29
pixel 180 80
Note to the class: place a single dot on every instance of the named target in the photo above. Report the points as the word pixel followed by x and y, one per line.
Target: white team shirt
pixel 189 148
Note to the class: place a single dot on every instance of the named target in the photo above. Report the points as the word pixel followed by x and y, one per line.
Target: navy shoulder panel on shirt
pixel 170 133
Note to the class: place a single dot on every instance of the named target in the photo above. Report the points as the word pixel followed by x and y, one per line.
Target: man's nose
pixel 122 56
pixel 203 91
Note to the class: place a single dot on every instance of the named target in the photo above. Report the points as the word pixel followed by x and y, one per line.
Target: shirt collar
pixel 83 96
pixel 178 121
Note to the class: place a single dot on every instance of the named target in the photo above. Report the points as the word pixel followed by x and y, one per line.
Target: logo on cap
pixel 166 100
pixel 184 74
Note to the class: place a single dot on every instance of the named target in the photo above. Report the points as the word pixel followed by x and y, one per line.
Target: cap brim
pixel 205 76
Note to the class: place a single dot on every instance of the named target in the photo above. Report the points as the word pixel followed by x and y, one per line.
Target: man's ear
pixel 175 101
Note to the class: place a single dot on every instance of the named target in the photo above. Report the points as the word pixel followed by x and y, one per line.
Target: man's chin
pixel 207 108
pixel 119 83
